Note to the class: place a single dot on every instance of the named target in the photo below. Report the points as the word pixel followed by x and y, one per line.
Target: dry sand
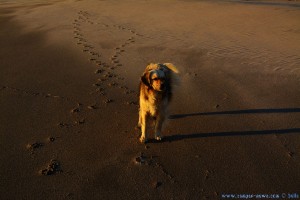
pixel 69 72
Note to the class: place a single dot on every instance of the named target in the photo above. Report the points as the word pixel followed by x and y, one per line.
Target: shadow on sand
pixel 173 138
pixel 233 133
pixel 239 112
pixel 266 3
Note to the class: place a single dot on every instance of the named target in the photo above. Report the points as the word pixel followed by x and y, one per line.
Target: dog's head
pixel 155 79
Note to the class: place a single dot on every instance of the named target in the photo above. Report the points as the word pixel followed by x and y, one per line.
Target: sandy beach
pixel 69 75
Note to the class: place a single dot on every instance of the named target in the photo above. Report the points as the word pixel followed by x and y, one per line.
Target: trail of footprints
pixel 142 159
pixel 105 70
pixel 31 93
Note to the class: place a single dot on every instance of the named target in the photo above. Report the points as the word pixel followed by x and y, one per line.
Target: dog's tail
pixel 172 67
pixel 173 74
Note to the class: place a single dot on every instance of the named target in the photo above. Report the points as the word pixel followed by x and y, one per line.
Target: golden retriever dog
pixel 155 93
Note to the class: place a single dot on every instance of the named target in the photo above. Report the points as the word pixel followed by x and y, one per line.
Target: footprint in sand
pixel 130 39
pixel 34 146
pixel 140 160
pixel 109 75
pixel 75 110
pixel 115 61
pixel 124 87
pixel 93 53
pixel 100 91
pixel 51 139
pixel 99 71
pixel 80 121
pixel 156 184
pixel 81 40
pixel 52 168
pixel 92 107
pixel 102 79
pixel 88 46
pixel 98 62
pixel 291 154
pixel 131 103
pixel 62 124
pixel 112 84
pixel 108 101
pixel 78 34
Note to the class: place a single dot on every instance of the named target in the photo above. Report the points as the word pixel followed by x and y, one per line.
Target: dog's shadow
pixel 232 133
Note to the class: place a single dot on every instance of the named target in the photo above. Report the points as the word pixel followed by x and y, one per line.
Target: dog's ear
pixel 152 66
pixel 145 79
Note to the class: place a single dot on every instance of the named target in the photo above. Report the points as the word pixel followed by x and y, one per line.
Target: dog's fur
pixel 155 93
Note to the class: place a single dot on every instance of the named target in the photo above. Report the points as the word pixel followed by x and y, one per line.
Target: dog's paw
pixel 143 140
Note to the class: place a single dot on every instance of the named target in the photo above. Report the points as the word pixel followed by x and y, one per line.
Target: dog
pixel 155 94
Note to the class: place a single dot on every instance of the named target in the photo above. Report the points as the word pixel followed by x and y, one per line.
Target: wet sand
pixel 68 99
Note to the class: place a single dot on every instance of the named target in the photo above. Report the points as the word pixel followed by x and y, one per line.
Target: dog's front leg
pixel 140 120
pixel 143 120
pixel 158 126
